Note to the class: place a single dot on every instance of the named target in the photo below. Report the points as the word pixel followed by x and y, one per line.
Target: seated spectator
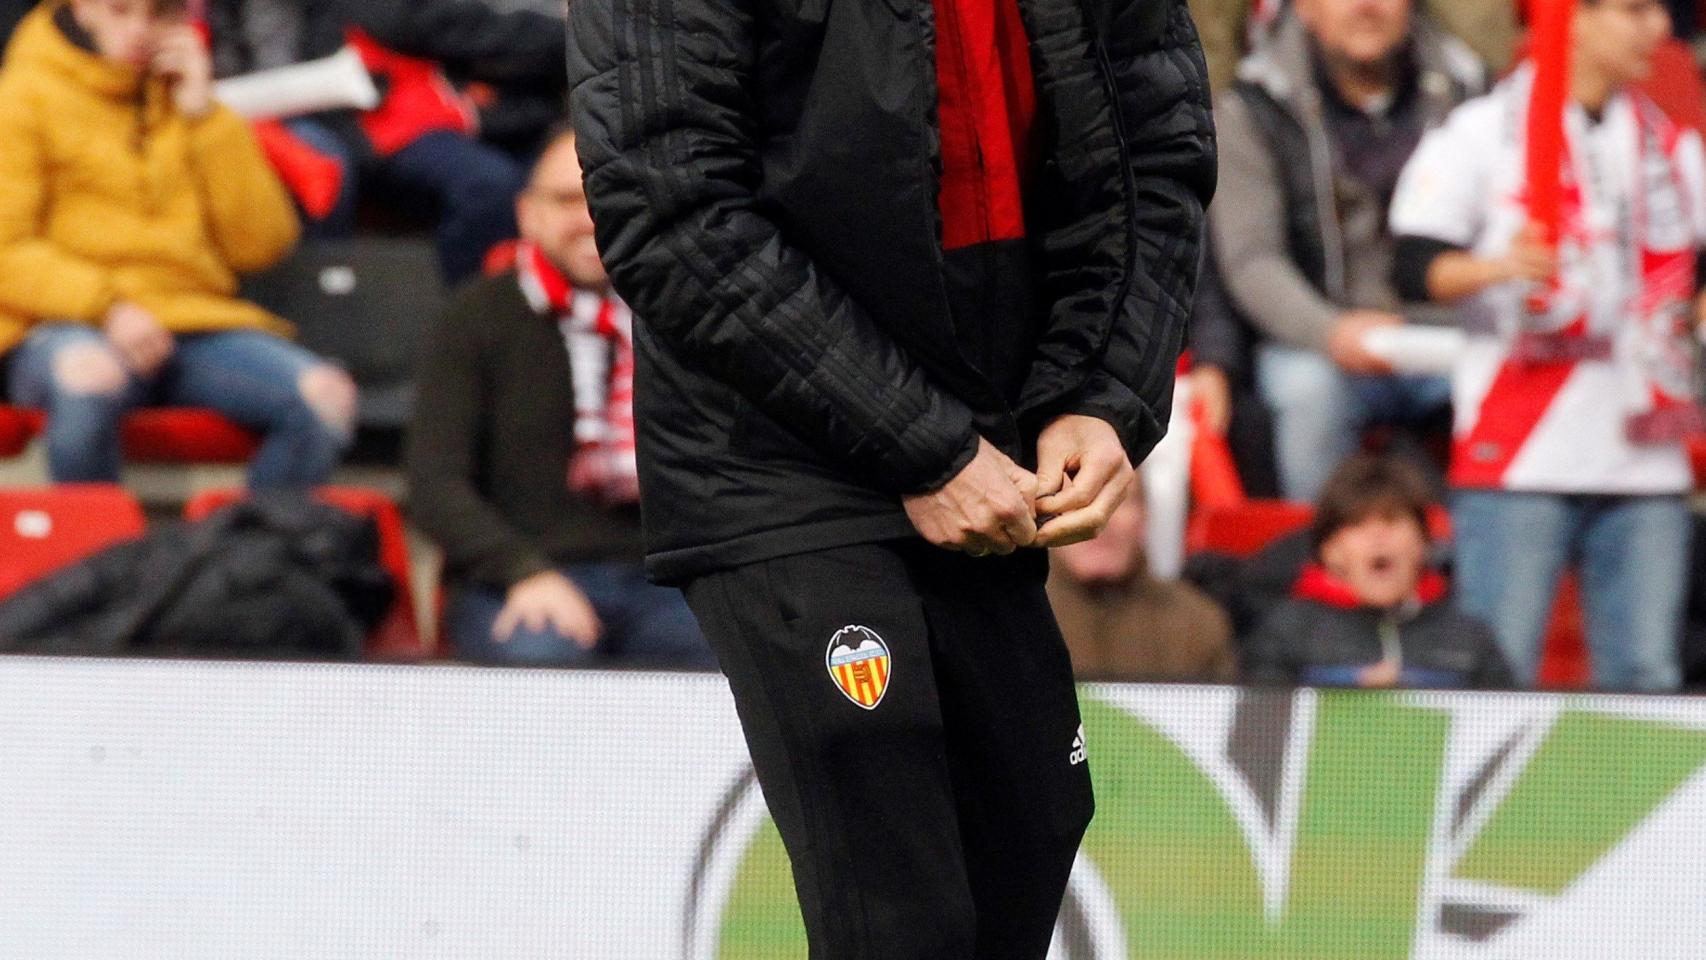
pixel 427 139
pixel 521 457
pixel 129 202
pixel 1229 28
pixel 1369 612
pixel 1312 139
pixel 1577 387
pixel 1121 623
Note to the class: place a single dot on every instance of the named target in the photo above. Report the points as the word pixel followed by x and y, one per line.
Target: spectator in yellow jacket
pixel 129 203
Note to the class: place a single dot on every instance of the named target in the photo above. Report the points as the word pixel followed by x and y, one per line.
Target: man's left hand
pixel 1083 474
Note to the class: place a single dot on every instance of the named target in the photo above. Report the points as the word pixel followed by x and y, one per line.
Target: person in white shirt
pixel 1576 388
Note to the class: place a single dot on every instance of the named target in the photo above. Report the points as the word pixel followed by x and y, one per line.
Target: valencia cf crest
pixel 858 662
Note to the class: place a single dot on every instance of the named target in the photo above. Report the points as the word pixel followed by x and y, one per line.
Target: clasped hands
pixel 995 506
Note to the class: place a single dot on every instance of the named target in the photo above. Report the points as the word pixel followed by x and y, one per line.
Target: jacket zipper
pixel 930 101
pixel 1124 149
pixel 1391 641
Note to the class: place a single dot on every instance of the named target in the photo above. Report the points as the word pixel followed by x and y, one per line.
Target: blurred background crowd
pixel 342 246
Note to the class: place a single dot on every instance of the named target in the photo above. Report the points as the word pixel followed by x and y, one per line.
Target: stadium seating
pixel 1243 529
pixel 44 530
pixel 398 637
pixel 363 303
pixel 165 435
pixel 17 429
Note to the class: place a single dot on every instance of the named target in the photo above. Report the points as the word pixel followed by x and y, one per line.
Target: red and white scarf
pixel 598 331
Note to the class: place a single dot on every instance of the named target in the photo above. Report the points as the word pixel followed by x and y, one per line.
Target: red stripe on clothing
pixel 986 110
pixel 1520 395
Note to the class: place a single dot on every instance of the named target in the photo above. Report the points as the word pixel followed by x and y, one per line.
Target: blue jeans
pixel 644 625
pixel 1633 556
pixel 476 185
pixel 251 377
pixel 1320 411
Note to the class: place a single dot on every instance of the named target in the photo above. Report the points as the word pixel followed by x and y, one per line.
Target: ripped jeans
pixel 253 378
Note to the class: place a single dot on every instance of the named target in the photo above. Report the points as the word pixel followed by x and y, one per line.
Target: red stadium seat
pixel 1564 663
pixel 1243 529
pixel 43 530
pixel 398 637
pixel 186 435
pixel 170 435
pixel 17 429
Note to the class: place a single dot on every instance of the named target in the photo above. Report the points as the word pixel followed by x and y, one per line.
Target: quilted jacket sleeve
pixel 1161 87
pixel 660 99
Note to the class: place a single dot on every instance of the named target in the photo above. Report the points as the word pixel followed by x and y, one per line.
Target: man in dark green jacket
pixel 540 572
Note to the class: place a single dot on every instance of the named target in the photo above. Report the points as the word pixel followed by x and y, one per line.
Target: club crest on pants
pixel 858 662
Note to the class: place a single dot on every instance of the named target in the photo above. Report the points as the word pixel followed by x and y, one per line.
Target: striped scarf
pixel 598 331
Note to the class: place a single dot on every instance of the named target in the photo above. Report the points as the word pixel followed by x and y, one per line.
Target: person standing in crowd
pixel 129 203
pixel 1577 386
pixel 1368 611
pixel 879 280
pixel 1121 623
pixel 521 455
pixel 1312 140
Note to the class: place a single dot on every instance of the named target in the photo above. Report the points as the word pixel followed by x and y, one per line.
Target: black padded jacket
pixel 763 175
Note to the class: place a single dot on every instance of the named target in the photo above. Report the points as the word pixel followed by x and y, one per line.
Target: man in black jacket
pixel 891 257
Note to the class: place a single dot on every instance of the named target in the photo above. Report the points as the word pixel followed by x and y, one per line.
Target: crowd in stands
pixel 1372 180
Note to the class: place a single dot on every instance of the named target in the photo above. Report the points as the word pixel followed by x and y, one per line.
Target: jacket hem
pixel 675 566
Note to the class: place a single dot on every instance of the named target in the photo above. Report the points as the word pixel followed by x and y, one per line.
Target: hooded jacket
pixel 1323 637
pixel 108 194
pixel 764 180
pixel 1295 243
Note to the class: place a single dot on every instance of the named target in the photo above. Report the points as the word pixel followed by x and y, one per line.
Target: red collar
pixel 1317 585
pixel 547 289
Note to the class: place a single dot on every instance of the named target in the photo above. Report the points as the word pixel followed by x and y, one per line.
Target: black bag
pixel 279 575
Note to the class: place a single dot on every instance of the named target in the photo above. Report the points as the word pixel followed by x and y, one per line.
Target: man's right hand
pixel 989 507
pixel 550 600
pixel 141 342
pixel 1345 342
pixel 1530 258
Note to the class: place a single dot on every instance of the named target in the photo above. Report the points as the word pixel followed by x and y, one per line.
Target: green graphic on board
pixel 1593 780
pixel 1185 882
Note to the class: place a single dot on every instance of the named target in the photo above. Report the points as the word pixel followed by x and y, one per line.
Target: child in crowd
pixel 1369 612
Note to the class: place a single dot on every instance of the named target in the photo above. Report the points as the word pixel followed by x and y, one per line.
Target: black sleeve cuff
pixel 1411 262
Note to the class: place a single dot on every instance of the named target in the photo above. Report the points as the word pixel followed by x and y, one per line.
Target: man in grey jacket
pixel 1313 137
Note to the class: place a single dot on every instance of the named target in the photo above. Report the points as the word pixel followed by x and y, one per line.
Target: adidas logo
pixel 1077 755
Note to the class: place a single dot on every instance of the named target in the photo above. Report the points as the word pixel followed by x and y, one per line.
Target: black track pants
pixel 914 726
